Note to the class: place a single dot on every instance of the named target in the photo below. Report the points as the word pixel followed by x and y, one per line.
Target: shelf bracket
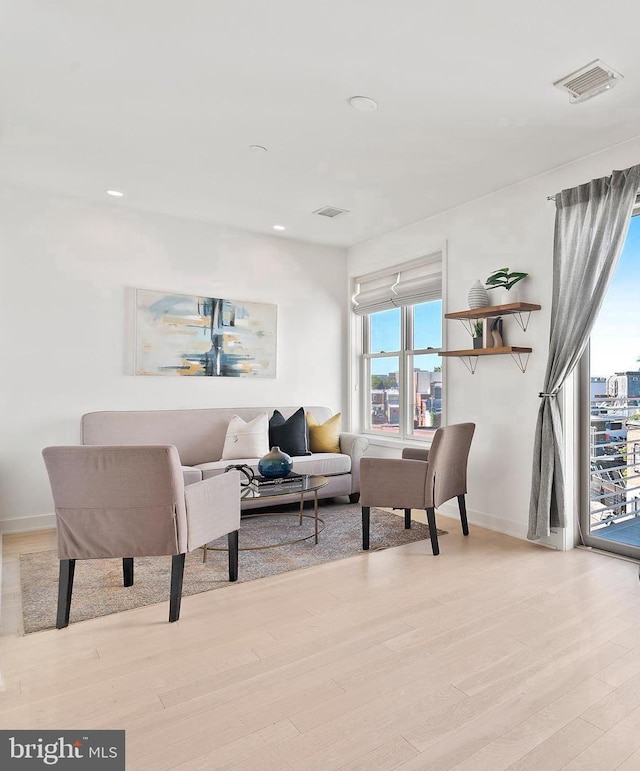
pixel 468 325
pixel 521 360
pixel 522 319
pixel 470 362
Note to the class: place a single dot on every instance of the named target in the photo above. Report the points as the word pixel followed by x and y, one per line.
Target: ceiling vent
pixel 330 211
pixel 592 79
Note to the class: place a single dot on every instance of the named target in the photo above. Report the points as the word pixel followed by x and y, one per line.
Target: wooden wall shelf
pixel 487 351
pixel 470 356
pixel 494 310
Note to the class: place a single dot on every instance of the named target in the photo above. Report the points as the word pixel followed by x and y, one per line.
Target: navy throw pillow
pixel 291 435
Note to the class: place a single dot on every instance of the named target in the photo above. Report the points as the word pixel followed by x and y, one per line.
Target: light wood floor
pixel 495 655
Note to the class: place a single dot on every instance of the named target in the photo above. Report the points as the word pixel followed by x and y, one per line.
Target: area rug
pixel 98 589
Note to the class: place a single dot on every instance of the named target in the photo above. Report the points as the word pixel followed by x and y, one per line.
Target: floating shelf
pixel 470 356
pixel 487 351
pixel 520 311
pixel 494 310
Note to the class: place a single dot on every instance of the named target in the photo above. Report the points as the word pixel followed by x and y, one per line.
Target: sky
pixel 385 336
pixel 615 339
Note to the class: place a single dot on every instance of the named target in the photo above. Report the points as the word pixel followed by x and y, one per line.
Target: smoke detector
pixel 330 211
pixel 588 81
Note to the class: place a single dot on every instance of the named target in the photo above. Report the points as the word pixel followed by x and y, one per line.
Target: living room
pixel 74 255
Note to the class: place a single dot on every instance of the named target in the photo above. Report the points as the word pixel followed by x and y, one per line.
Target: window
pixel 401 336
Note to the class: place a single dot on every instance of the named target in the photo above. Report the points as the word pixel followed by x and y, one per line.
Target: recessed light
pixel 115 193
pixel 257 149
pixel 279 227
pixel 363 103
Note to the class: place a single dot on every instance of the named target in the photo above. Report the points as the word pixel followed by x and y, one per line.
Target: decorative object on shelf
pixel 487 339
pixel 178 334
pixel 496 332
pixel 478 296
pixel 275 464
pixel 247 474
pixel 478 334
pixel 503 280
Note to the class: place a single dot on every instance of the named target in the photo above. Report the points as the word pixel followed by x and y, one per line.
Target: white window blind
pixel 415 282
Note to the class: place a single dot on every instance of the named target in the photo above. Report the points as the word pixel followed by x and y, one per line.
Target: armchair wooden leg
pixel 366 522
pixel 127 570
pixel 407 519
pixel 232 539
pixel 177 574
pixel 354 497
pixel 65 588
pixel 433 531
pixel 463 514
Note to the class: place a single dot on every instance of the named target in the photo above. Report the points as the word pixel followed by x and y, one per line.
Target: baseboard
pixel 488 521
pixel 27 524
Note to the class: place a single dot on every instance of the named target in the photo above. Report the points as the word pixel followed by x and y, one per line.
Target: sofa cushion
pixel 191 475
pixel 324 437
pixel 246 439
pixel 291 435
pixel 324 464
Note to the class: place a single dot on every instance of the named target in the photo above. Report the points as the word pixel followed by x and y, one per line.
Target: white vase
pixel 501 296
pixel 504 296
pixel 478 296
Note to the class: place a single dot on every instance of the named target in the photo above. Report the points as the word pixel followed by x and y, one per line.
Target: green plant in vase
pixel 504 279
pixel 477 332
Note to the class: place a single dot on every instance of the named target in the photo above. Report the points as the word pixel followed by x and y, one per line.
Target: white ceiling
pixel 162 98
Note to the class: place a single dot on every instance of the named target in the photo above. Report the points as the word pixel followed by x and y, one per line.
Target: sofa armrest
pixel 355 446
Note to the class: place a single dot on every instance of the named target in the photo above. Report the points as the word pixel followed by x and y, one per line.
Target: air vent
pixel 592 79
pixel 330 211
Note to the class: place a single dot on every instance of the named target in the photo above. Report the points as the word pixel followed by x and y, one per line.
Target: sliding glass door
pixel 611 413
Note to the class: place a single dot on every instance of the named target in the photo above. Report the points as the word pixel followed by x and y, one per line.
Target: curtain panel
pixel 591 225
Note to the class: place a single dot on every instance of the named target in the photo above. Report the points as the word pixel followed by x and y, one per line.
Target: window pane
pixel 427 325
pixel 385 331
pixel 385 395
pixel 426 395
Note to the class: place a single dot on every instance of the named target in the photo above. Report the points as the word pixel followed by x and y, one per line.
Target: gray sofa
pixel 199 437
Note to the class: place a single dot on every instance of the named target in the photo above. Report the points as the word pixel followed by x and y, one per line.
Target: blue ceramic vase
pixel 275 464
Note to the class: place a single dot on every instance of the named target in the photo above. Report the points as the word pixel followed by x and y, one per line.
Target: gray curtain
pixel 591 224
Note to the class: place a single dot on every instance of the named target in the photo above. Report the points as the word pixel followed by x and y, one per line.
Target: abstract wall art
pixel 179 334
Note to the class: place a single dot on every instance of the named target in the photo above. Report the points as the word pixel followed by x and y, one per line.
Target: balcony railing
pixel 614 482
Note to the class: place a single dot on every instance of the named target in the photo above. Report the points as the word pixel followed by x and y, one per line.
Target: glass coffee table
pixel 298 485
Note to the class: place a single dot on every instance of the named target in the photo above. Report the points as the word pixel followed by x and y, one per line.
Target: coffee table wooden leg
pixel 315 513
pixel 301 506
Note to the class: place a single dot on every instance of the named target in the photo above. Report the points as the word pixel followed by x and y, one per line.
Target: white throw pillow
pixel 246 440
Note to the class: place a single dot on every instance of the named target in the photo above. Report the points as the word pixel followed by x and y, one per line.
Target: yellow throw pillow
pixel 324 437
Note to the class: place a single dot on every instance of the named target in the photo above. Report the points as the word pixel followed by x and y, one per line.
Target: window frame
pixel 582 467
pixel 405 356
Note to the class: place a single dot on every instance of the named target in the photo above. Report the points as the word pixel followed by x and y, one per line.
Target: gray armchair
pixel 117 501
pixel 422 479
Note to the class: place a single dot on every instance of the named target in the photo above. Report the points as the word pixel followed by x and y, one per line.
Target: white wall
pixel 66 268
pixel 513 227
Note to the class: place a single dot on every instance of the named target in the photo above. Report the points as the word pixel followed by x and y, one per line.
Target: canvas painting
pixel 180 334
